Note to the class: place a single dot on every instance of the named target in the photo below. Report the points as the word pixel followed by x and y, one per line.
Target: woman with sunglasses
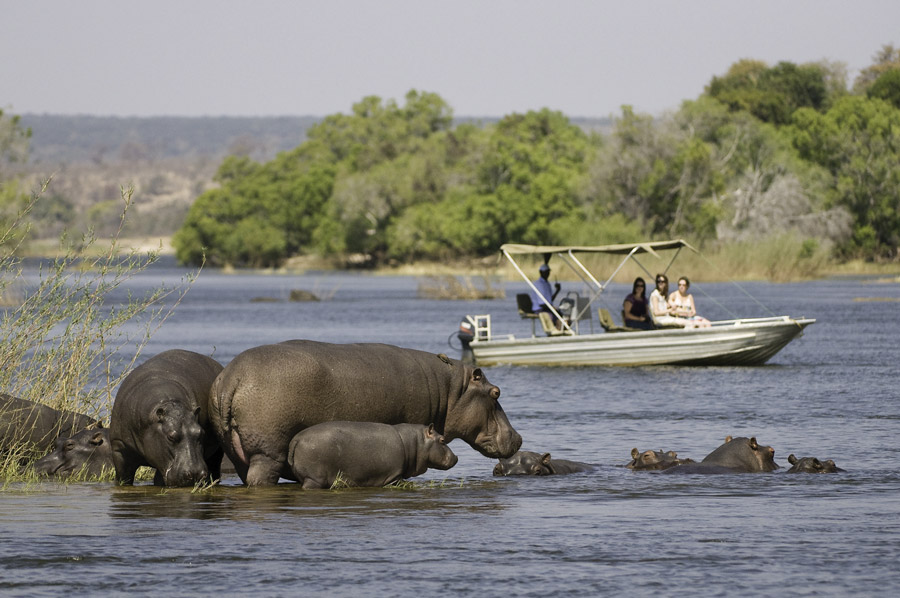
pixel 682 304
pixel 660 311
pixel 635 307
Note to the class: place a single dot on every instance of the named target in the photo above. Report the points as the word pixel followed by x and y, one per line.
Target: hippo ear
pixel 753 443
pixel 545 458
pixel 96 439
pixel 635 453
pixel 792 459
pixel 429 431
pixel 477 374
pixel 197 413
pixel 727 439
pixel 672 454
pixel 94 425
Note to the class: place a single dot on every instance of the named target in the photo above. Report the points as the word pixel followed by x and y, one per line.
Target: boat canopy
pixel 621 249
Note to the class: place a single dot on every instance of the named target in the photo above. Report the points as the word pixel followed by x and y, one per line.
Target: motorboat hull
pixel 734 342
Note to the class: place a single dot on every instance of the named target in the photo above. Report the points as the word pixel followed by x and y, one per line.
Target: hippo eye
pixel 68 446
pixel 173 436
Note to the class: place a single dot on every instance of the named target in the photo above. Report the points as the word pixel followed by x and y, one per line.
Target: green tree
pixel 858 142
pixel 887 87
pixel 14 145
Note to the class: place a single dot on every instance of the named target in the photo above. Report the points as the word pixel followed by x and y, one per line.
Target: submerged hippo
pixel 366 453
pixel 531 463
pixel 654 460
pixel 267 394
pixel 87 453
pixel 811 465
pixel 31 428
pixel 159 419
pixel 736 455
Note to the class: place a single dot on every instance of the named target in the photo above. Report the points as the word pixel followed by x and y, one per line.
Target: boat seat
pixel 523 303
pixel 547 324
pixel 607 322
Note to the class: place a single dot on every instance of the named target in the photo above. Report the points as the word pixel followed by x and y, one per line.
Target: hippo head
pixel 649 460
pixel 437 454
pixel 811 465
pixel 477 417
pixel 173 445
pixel 524 463
pixel 743 454
pixel 87 452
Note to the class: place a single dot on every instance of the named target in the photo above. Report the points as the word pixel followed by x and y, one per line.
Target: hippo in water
pixel 531 463
pixel 267 394
pixel 86 453
pixel 159 419
pixel 366 453
pixel 30 428
pixel 811 465
pixel 654 460
pixel 736 455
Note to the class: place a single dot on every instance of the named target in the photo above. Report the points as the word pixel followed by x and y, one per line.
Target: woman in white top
pixel 660 310
pixel 681 304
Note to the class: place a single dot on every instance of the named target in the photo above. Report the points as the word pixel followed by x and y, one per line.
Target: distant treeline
pixel 765 150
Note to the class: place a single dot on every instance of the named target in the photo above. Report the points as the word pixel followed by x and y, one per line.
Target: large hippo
pixel 160 419
pixel 532 463
pixel 86 453
pixel 654 460
pixel 811 465
pixel 267 394
pixel 31 428
pixel 366 454
pixel 736 455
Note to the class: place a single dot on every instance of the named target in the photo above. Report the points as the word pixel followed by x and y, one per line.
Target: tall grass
pixel 66 342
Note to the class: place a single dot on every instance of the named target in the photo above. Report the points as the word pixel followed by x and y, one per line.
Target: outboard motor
pixel 466 334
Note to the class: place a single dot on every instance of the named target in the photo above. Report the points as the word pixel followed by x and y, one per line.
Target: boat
pixel 734 342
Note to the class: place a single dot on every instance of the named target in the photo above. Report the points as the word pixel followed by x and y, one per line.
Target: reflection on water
pixel 830 394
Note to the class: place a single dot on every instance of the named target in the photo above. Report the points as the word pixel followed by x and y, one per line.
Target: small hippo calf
pixel 86 453
pixel 736 455
pixel 366 454
pixel 654 460
pixel 811 465
pixel 531 463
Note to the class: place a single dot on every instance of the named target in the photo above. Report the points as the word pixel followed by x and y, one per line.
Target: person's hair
pixel 634 287
pixel 665 278
pixel 687 283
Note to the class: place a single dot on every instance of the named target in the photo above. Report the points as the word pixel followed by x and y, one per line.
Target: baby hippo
pixel 86 453
pixel 531 463
pixel 811 465
pixel 365 453
pixel 654 460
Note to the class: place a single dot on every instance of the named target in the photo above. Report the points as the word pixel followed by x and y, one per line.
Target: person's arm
pixel 556 287
pixel 628 315
pixel 692 310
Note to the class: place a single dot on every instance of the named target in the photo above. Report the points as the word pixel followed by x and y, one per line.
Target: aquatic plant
pixel 69 342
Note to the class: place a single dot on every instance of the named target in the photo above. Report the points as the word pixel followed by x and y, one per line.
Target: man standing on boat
pixel 543 300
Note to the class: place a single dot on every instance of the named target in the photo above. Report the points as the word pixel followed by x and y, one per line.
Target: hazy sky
pixel 484 58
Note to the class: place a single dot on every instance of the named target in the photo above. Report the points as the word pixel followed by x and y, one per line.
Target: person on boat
pixel 635 307
pixel 660 311
pixel 681 303
pixel 543 301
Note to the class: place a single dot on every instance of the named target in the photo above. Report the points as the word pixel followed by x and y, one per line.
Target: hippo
pixel 31 429
pixel 366 454
pixel 811 465
pixel 267 394
pixel 736 455
pixel 86 453
pixel 160 419
pixel 531 463
pixel 654 460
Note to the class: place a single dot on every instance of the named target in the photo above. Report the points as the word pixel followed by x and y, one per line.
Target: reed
pixel 76 333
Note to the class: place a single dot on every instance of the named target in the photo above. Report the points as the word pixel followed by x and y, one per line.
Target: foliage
pixel 65 343
pixel 771 94
pixel 887 87
pixel 886 59
pixel 858 142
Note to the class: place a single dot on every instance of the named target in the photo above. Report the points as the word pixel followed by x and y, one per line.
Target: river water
pixel 831 394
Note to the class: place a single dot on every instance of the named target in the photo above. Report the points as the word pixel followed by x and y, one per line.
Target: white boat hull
pixel 735 342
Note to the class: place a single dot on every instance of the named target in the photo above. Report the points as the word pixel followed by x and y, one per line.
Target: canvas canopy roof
pixel 621 249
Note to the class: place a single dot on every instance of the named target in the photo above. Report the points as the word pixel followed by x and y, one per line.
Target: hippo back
pixel 35 427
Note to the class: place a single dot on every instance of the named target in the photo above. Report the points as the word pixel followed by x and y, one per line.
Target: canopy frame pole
pixel 548 302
